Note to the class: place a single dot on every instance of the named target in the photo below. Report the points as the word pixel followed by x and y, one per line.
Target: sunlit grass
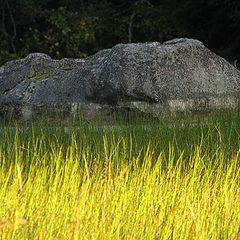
pixel 144 180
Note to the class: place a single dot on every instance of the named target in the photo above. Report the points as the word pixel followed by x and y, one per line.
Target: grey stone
pixel 177 69
pixel 177 76
pixel 17 93
pixel 35 67
pixel 37 80
pixel 63 88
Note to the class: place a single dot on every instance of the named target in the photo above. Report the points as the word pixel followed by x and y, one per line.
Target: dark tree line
pixel 79 28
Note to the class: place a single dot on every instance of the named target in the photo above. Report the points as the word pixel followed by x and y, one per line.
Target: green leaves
pixel 71 28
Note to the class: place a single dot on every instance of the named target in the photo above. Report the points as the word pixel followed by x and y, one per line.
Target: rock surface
pixel 178 75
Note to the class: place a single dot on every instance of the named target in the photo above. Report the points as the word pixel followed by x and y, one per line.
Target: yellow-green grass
pixel 144 181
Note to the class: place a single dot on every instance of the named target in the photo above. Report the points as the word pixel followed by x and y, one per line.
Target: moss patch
pixel 68 68
pixel 39 77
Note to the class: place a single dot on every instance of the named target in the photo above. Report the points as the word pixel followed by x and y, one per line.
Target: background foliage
pixel 79 28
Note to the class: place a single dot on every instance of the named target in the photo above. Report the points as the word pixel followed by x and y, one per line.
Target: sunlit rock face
pixel 180 75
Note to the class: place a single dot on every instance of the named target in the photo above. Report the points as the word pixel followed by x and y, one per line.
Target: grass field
pixel 140 178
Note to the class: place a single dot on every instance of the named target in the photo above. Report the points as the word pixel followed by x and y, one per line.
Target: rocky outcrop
pixel 178 75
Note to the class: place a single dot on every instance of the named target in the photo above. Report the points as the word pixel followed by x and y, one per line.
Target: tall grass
pixel 147 179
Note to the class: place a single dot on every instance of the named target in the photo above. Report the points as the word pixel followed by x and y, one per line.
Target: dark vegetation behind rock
pixel 72 28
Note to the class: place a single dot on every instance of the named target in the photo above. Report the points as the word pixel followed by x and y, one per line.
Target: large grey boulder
pixel 178 75
pixel 37 80
pixel 175 70
pixel 34 67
